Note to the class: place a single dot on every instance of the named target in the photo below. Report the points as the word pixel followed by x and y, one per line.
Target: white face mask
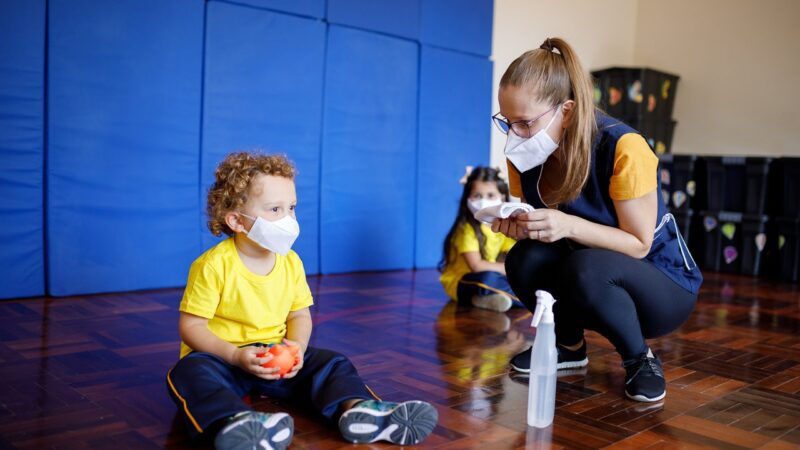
pixel 277 236
pixel 526 154
pixel 477 205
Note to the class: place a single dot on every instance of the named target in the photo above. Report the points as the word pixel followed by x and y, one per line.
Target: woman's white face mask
pixel 526 154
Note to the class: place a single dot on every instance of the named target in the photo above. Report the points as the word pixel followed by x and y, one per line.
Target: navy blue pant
pixel 207 390
pixel 625 299
pixel 484 283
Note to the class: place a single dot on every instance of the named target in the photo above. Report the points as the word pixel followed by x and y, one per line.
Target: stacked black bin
pixel 737 232
pixel 641 97
pixel 786 230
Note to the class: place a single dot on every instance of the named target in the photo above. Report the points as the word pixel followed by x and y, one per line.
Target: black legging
pixel 627 300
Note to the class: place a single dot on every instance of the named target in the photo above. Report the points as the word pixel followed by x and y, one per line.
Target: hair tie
pixel 547 45
pixel 463 179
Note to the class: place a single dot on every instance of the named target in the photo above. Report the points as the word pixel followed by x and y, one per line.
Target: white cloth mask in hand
pixel 277 236
pixel 478 204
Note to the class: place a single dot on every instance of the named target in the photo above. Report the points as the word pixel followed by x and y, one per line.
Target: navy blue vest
pixel 668 253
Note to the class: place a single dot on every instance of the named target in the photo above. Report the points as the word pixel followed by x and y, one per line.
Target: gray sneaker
pixel 252 429
pixel 406 423
pixel 492 302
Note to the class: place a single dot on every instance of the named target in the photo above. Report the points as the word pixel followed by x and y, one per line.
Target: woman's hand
pixel 546 225
pixel 247 359
pixel 510 228
pixel 298 360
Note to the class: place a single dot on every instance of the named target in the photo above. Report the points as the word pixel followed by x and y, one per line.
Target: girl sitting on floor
pixel 472 265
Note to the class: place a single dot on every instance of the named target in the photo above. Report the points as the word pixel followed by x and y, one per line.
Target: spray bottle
pixel 544 358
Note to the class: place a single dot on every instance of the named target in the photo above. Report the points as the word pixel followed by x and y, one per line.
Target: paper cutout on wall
pixel 661 148
pixel 781 241
pixel 614 96
pixel 651 103
pixel 729 230
pixel 761 241
pixel 691 188
pixel 598 95
pixel 665 195
pixel 635 92
pixel 665 89
pixel 678 198
pixel 665 178
pixel 730 253
pixel 709 223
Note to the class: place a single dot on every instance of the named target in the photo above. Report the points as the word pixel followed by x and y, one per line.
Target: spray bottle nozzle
pixel 544 308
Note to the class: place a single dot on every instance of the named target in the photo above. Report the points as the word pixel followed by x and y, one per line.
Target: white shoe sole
pixel 561 366
pixel 494 302
pixel 642 398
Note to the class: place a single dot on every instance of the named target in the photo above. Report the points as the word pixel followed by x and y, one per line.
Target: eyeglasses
pixel 521 128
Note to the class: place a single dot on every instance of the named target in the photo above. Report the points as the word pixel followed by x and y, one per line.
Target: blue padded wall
pixel 123 143
pixel 462 25
pixel 454 113
pixel 22 49
pixel 263 89
pixel 369 152
pixel 396 17
pixel 312 8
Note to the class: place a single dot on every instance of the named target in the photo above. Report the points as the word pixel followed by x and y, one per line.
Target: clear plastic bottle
pixel 544 358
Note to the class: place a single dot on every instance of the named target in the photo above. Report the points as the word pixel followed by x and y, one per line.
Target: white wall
pixel 738 61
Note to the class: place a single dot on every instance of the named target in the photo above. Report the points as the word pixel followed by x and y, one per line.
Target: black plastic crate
pixel 733 242
pixel 737 184
pixel 790 187
pixel 678 186
pixel 626 92
pixel 787 249
pixel 663 137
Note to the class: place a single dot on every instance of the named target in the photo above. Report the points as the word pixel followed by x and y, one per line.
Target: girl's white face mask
pixel 526 154
pixel 478 204
pixel 277 236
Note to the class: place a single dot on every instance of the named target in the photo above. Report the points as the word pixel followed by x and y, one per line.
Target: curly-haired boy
pixel 250 291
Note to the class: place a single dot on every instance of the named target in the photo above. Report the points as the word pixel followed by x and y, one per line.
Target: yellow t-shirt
pixel 242 307
pixel 465 241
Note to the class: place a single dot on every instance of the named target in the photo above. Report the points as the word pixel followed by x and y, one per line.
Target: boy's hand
pixel 298 364
pixel 246 358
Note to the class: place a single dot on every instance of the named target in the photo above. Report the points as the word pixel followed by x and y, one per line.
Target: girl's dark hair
pixel 465 217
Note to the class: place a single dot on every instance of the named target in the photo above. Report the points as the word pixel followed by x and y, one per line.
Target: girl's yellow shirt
pixel 465 241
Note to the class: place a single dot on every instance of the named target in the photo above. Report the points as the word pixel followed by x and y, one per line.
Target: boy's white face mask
pixel 526 154
pixel 277 236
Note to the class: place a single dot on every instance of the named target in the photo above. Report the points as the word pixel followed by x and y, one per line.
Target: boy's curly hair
pixel 232 183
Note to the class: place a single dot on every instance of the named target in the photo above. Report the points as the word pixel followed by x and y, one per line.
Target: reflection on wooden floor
pixel 88 372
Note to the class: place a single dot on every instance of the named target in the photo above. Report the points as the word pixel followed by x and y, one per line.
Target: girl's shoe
pixel 493 302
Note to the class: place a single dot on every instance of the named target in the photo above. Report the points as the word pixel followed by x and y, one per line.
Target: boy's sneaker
pixel 644 380
pixel 492 302
pixel 567 359
pixel 406 423
pixel 253 429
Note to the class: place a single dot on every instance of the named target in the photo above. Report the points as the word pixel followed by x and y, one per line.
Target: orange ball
pixel 283 357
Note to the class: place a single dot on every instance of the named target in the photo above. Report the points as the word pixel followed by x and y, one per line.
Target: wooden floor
pixel 88 372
